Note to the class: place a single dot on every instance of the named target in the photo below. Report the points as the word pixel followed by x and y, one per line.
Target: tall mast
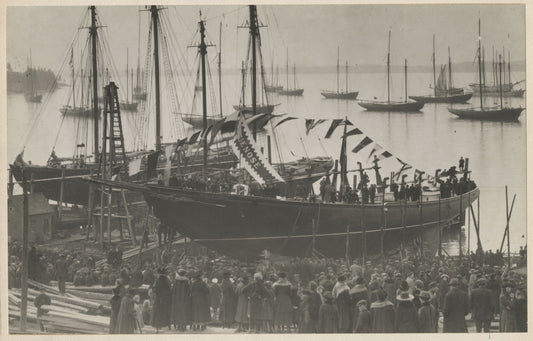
pixel 287 69
pixel 220 67
pixel 479 64
pixel 388 71
pixel 483 66
pixel 434 75
pixel 494 68
pixel 501 93
pixel 202 49
pixel 137 82
pixel 338 69
pixel 343 159
pixel 254 33
pixel 406 81
pixel 94 36
pixel 450 83
pixel 73 79
pixel 31 77
pixel 346 76
pixel 294 75
pixel 243 72
pixel 127 78
pixel 503 54
pixel 509 64
pixel 155 21
pixel 132 84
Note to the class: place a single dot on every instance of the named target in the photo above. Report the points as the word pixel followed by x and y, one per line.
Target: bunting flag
pixel 384 155
pixel 348 123
pixel 365 142
pixel 285 120
pixel 376 148
pixel 405 166
pixel 181 143
pixel 418 174
pixel 194 137
pixel 332 127
pixel 246 149
pixel 310 124
pixel 354 131
pixel 216 128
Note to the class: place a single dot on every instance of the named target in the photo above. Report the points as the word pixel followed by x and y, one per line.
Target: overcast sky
pixel 311 33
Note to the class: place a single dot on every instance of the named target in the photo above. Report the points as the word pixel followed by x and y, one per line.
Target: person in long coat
pixel 455 309
pixel 241 314
pixel 364 319
pixel 127 316
pixel 481 306
pixel 309 309
pixel 268 308
pixel 181 302
pixel 328 316
pixel 162 308
pixel 255 293
pixel 521 311
pixel 406 315
pixel 215 293
pixel 228 301
pixel 507 306
pixel 382 312
pixel 427 317
pixel 282 303
pixel 357 293
pixel 200 298
pixel 115 308
pixel 344 307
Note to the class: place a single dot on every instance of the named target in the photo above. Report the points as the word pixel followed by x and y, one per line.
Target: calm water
pixel 427 140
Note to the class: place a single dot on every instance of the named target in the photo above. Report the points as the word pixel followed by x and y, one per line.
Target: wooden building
pixel 41 215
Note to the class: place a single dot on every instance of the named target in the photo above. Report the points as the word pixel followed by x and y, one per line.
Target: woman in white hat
pixel 406 317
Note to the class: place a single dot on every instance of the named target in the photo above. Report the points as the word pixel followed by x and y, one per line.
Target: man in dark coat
pixel 215 293
pixel 255 292
pixel 455 309
pixel 406 315
pixel 61 273
pixel 161 310
pixel 328 316
pixel 181 301
pixel 382 312
pixel 114 302
pixel 364 322
pixel 200 303
pixel 228 302
pixel 127 316
pixel 481 306
pixel 357 293
pixel 427 316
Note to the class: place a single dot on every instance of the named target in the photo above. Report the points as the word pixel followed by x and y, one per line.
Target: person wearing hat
pixel 444 287
pixel 507 306
pixel 127 316
pixel 283 317
pixel 481 306
pixel 241 314
pixel 495 289
pixel 309 308
pixel 228 301
pixel 406 317
pixel 162 308
pixel 200 303
pixel 255 293
pixel 427 314
pixel 521 309
pixel 341 293
pixel 114 302
pixel 357 293
pixel 61 268
pixel 455 309
pixel 382 312
pixel 181 301
pixel 215 294
pixel 328 317
pixel 364 321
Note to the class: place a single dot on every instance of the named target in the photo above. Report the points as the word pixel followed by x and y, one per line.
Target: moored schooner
pixel 340 94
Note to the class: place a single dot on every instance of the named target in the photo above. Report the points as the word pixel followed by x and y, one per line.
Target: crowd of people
pixel 306 295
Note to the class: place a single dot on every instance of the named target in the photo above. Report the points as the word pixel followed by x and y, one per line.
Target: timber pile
pixel 67 313
pixel 96 292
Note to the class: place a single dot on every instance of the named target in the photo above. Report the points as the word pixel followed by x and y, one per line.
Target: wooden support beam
pixel 128 219
pixel 61 193
pixel 476 227
pixel 32 179
pixel 90 210
pixel 24 270
pixel 102 217
pixel 109 203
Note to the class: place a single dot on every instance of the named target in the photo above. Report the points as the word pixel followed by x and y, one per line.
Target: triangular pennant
pixel 385 155
pixel 194 137
pixel 365 142
pixel 308 125
pixel 216 128
pixel 285 120
pixel 373 151
pixel 405 166
pixel 354 131
pixel 332 127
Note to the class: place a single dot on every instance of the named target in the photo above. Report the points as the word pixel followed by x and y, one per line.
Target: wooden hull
pixel 391 106
pixel 442 99
pixel 489 114
pixel 260 109
pixel 295 92
pixel 340 95
pixel 244 226
pixel 78 111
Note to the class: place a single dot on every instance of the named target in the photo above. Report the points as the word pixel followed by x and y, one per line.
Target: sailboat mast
pixel 96 114
pixel 501 92
pixel 346 76
pixel 483 66
pixel 220 67
pixel 137 82
pixel 155 21
pixel 450 83
pixel 287 69
pixel 253 33
pixel 294 75
pixel 406 81
pixel 503 54
pixel 343 160
pixel 127 78
pixel 243 74
pixel 73 78
pixel 509 70
pixel 338 69
pixel 434 75
pixel 479 65
pixel 31 78
pixel 202 49
pixel 388 71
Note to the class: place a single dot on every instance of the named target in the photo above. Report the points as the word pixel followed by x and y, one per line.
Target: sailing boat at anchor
pixel 75 110
pixel 340 94
pixel 438 96
pixel 32 96
pixel 295 91
pixel 498 113
pixel 389 105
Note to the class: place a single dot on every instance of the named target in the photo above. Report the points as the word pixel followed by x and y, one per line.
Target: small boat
pixel 295 91
pixel 328 94
pixel 197 121
pixel 274 86
pixel 260 109
pixel 75 111
pixel 498 113
pixel 388 105
pixel 442 91
pixel 32 96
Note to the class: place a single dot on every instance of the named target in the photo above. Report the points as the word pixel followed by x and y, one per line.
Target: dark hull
pixel 295 92
pixel 511 93
pixel 391 106
pixel 75 191
pixel 452 91
pixel 505 114
pixel 33 98
pixel 340 95
pixel 78 111
pixel 128 106
pixel 243 226
pixel 442 99
pixel 260 109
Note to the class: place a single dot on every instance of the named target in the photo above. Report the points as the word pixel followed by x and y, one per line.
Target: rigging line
pixel 223 15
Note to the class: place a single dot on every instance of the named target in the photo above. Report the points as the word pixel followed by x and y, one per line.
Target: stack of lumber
pixel 66 314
